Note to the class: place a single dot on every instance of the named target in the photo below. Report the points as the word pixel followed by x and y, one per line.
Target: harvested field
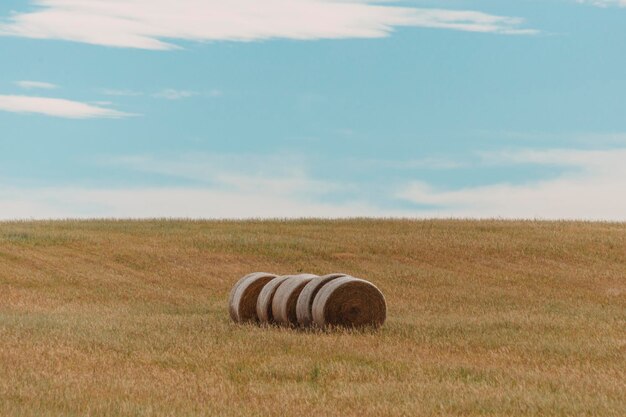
pixel 130 318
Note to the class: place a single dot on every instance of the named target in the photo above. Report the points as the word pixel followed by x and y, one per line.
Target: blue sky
pixel 300 108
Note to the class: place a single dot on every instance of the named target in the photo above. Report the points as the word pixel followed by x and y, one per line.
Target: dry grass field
pixel 497 318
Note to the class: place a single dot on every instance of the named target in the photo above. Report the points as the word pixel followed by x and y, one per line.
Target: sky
pixel 313 108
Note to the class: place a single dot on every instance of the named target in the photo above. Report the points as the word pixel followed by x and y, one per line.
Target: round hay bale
pixel 231 310
pixel 286 297
pixel 244 295
pixel 349 302
pixel 264 302
pixel 304 304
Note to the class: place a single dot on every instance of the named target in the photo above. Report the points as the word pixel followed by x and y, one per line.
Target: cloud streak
pixel 121 93
pixel 604 3
pixel 276 174
pixel 215 186
pixel 170 202
pixel 156 24
pixel 29 85
pixel 236 186
pixel 172 94
pixel 57 107
pixel 592 189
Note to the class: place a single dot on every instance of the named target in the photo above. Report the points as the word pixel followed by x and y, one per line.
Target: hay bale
pixel 264 302
pixel 349 302
pixel 304 304
pixel 243 297
pixel 231 309
pixel 286 297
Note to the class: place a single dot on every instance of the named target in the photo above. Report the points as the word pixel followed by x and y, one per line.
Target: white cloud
pixel 232 186
pixel 277 174
pixel 221 186
pixel 57 107
pixel 593 189
pixel 120 93
pixel 153 24
pixel 604 3
pixel 431 163
pixel 28 85
pixel 171 94
pixel 176 202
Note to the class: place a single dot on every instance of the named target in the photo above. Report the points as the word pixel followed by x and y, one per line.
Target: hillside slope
pixel 123 318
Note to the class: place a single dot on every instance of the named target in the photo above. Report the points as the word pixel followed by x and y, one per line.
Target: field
pixel 129 318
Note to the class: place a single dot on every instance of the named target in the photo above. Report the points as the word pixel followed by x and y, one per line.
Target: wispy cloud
pixel 604 3
pixel 171 202
pixel 29 85
pixel 236 186
pixel 432 163
pixel 275 174
pixel 593 189
pixel 57 107
pixel 171 94
pixel 216 186
pixel 150 24
pixel 120 93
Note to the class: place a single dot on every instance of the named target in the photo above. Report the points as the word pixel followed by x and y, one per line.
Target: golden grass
pixel 122 318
